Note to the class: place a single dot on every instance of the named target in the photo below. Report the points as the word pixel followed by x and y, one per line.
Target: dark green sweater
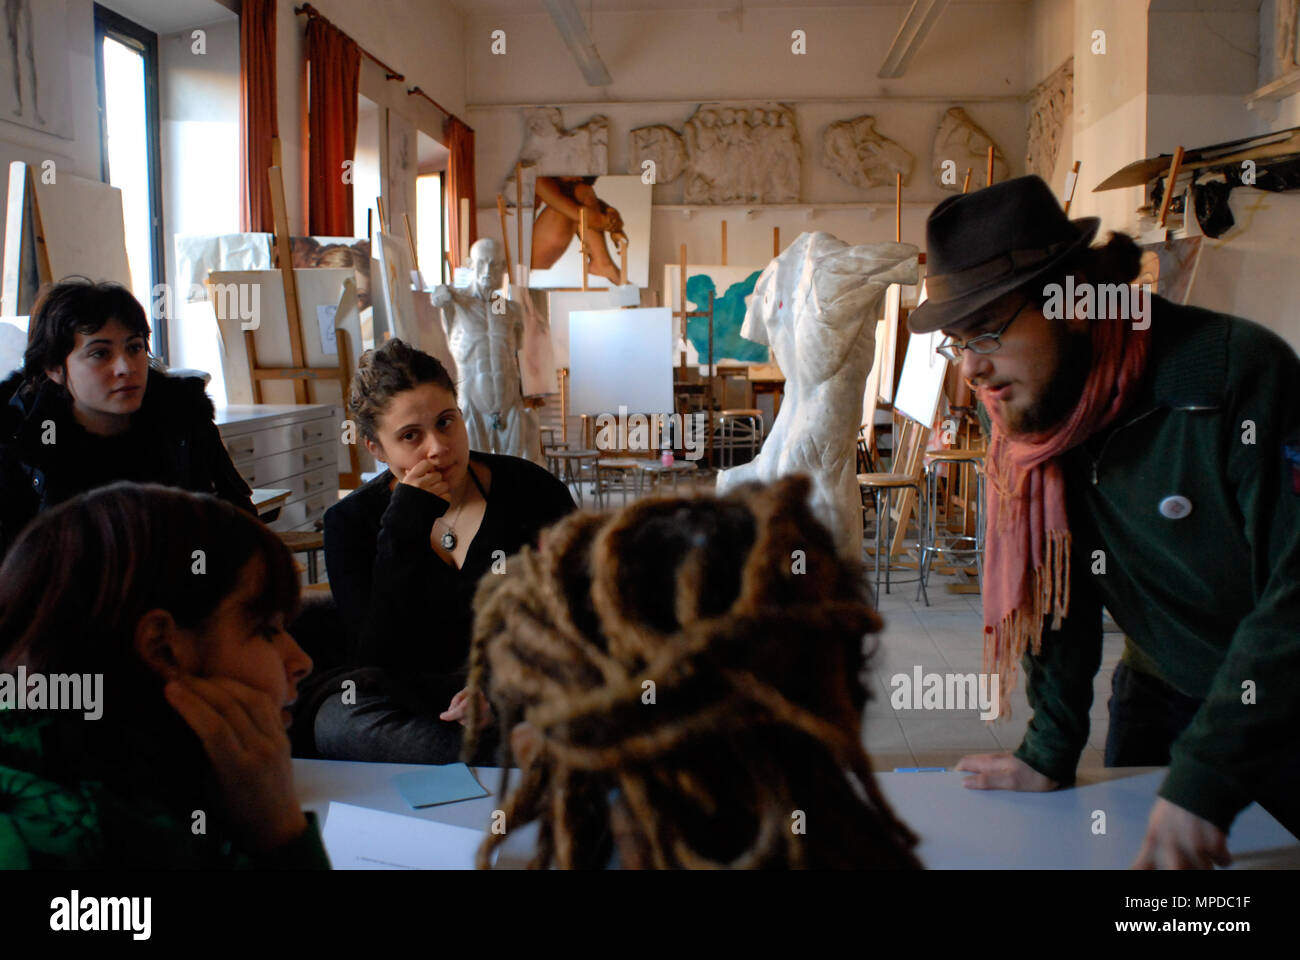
pixel 66 802
pixel 1210 602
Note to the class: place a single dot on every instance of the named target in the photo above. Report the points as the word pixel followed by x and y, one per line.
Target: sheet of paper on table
pixel 357 838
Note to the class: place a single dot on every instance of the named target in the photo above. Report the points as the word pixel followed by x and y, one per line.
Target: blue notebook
pixel 432 786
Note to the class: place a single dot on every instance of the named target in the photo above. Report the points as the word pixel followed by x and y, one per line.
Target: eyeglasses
pixel 985 343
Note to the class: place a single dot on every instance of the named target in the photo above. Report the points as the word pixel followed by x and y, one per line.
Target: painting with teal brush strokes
pixel 728 315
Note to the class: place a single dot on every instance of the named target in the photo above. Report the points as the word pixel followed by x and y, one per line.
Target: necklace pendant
pixel 449 541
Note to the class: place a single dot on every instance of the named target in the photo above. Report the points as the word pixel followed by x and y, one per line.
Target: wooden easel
pixel 298 373
pixel 685 315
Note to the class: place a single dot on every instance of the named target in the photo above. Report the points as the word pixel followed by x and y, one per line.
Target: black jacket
pixel 404 609
pixel 172 441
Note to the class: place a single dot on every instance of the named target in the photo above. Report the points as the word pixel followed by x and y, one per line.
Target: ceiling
pixel 609 6
pixel 170 16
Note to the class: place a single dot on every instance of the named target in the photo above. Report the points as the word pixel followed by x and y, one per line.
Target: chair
pixel 960 544
pixel 309 542
pixel 735 430
pixel 579 466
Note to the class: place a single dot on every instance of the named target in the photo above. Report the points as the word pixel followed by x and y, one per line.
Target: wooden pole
pixel 1169 185
pixel 776 241
pixel 622 262
pixel 285 253
pixel 898 208
pixel 965 187
pixel 990 173
pixel 519 211
pixel 1070 182
pixel 410 242
pixel 724 243
pixel 682 284
pixel 505 234
pixel 383 217
pixel 582 243
pixel 464 230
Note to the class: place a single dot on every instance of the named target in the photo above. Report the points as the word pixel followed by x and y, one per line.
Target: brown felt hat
pixel 982 245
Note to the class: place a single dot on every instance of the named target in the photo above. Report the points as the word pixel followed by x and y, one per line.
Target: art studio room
pixel 641 434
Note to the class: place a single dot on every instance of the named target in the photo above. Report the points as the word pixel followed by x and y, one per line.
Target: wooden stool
pixel 309 542
pixel 624 468
pixel 880 486
pixel 961 543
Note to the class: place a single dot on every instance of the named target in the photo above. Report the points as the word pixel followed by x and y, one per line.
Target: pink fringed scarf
pixel 1027 544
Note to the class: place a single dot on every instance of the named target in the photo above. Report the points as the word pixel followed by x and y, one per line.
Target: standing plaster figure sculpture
pixel 816 305
pixel 484 331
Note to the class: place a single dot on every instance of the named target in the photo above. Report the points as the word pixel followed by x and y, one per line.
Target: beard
pixel 1063 390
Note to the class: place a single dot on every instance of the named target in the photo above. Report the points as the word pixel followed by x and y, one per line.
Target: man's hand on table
pixel 1002 771
pixel 1180 840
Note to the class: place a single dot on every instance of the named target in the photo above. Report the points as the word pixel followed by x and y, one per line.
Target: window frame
pixel 109 23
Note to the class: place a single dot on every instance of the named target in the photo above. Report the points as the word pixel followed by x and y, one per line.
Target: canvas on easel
pixel 331 328
pixel 68 227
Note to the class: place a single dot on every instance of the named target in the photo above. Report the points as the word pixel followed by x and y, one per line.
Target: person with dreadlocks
pixel 682 684
pixel 1148 463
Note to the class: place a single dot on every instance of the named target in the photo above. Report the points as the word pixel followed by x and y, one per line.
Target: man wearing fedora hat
pixel 1150 465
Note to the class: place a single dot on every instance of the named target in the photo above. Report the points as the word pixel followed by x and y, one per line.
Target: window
pixel 428 218
pixel 126 61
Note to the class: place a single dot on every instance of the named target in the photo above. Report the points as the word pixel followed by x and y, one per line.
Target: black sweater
pixel 172 440
pixel 404 609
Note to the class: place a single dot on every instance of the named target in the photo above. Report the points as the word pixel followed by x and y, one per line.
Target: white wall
pixel 1110 106
pixel 199 103
pixel 664 64
pixel 421 39
pixel 80 155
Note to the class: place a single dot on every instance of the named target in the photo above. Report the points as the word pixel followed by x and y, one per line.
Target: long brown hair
pixel 693 668
pixel 79 578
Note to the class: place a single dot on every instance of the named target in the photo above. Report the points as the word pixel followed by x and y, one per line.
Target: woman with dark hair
pixel 168 610
pixel 405 553
pixel 87 410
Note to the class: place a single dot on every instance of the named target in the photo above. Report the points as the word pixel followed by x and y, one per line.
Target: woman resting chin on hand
pixel 198 675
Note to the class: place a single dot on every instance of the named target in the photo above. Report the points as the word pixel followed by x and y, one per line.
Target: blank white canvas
pixel 621 358
pixel 564 302
pixel 922 382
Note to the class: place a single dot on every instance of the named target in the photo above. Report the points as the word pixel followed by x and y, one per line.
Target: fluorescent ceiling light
pixel 574 32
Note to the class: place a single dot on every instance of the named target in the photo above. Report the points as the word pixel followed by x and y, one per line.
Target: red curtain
pixel 334 64
pixel 258 125
pixel 460 184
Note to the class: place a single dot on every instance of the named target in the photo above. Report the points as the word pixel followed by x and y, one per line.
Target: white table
pixel 959 828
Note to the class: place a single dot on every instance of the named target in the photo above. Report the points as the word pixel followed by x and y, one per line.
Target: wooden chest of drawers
pixel 293 447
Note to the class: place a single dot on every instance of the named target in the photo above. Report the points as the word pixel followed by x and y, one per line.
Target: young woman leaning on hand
pixel 178 602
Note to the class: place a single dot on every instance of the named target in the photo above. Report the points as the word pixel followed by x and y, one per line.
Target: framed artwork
pixel 731 288
pixel 617 207
pixel 35 67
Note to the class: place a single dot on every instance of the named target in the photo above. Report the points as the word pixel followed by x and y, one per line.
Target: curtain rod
pixel 313 14
pixel 417 92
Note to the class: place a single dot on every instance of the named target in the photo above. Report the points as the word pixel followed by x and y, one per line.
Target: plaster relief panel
pixel 742 154
pixel 664 146
pixel 960 140
pixel 858 154
pixel 1050 105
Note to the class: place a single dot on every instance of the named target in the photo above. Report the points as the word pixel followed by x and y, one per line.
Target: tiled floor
pixel 945 637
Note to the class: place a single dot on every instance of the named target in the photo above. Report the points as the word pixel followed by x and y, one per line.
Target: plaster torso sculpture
pixel 817 305
pixel 484 332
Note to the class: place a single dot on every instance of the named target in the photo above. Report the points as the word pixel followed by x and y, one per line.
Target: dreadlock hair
pixel 693 688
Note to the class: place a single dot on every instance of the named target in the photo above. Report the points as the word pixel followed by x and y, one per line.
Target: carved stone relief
pixel 742 154
pixel 549 149
pixel 961 140
pixel 1287 56
pixel 1050 105
pixel 664 146
pixel 855 152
